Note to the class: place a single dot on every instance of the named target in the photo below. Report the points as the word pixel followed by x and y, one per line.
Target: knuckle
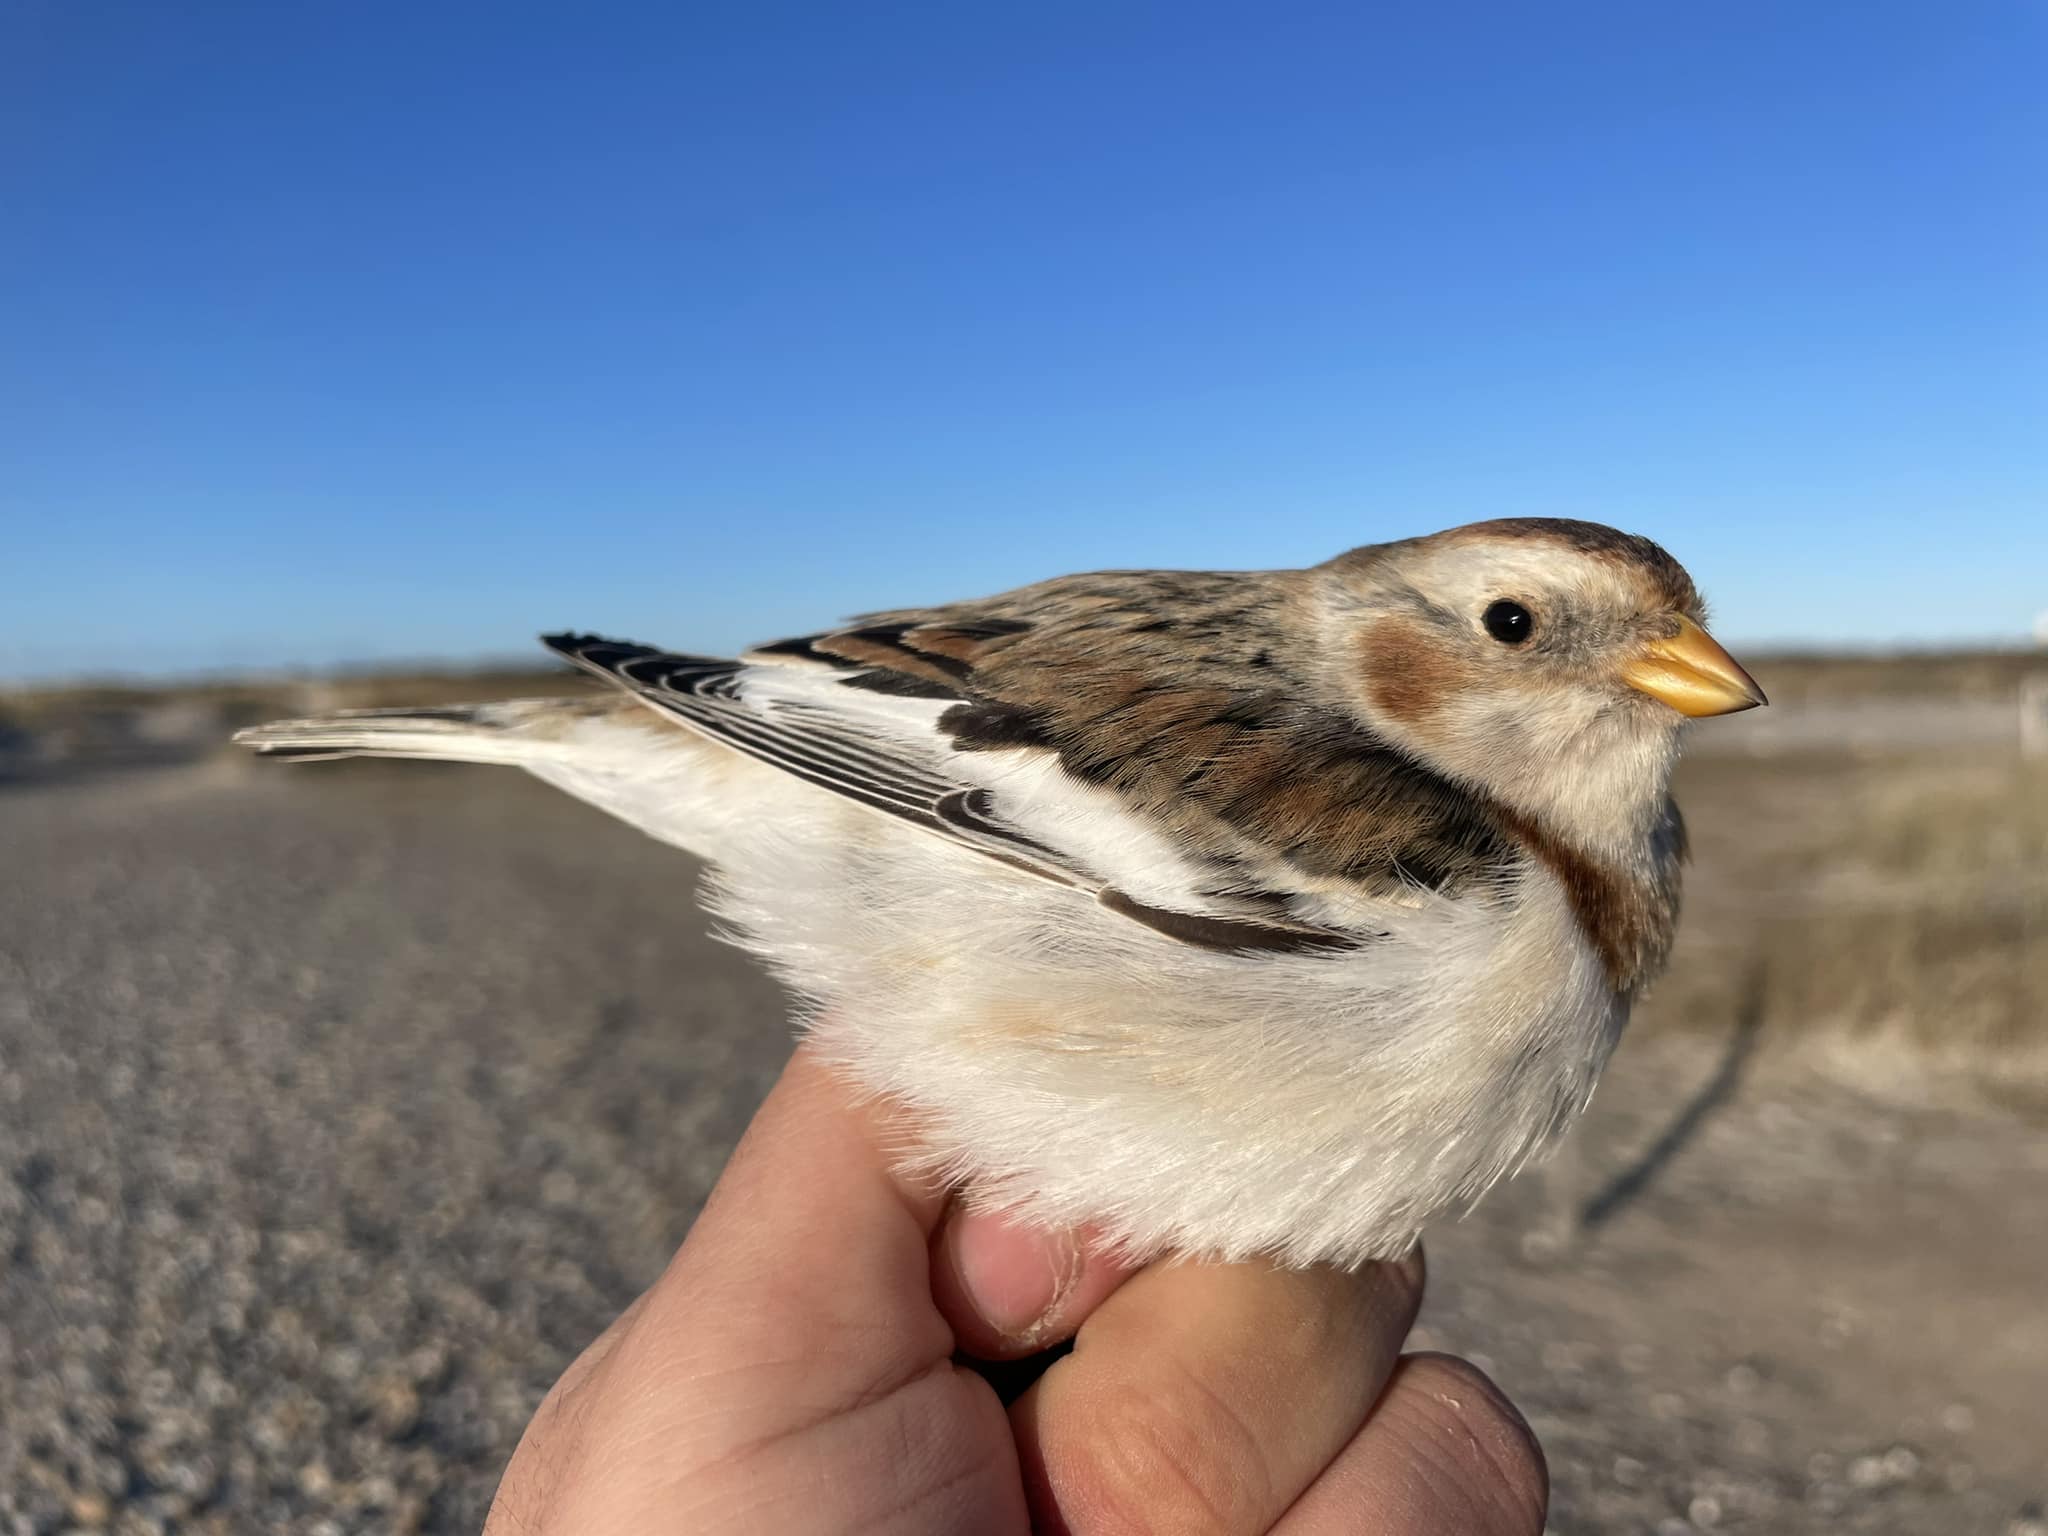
pixel 1476 1425
pixel 1170 1456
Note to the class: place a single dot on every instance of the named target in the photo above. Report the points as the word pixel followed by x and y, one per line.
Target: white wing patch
pixel 887 752
pixel 797 731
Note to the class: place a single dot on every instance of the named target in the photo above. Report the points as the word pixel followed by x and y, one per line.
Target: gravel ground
pixel 342 1106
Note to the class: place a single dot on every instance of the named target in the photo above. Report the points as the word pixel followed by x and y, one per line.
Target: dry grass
pixel 1898 900
pixel 246 702
pixel 1956 675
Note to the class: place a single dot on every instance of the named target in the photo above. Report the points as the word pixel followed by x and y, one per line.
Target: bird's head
pixel 1547 661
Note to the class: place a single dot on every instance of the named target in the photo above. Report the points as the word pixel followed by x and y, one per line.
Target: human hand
pixel 794 1371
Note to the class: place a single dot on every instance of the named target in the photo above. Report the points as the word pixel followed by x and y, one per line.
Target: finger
pixel 791 1345
pixel 1444 1451
pixel 1207 1397
pixel 553 1438
pixel 1009 1290
pixel 811 1248
pixel 586 1366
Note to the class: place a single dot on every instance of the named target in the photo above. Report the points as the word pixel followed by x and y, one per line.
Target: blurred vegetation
pixel 1795 677
pixel 1880 900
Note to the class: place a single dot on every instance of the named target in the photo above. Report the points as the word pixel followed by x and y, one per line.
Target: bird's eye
pixel 1509 623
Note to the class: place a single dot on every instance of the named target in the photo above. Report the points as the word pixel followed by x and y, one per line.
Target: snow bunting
pixel 1269 912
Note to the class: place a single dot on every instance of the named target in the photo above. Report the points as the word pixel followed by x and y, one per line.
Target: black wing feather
pixel 812 744
pixel 807 743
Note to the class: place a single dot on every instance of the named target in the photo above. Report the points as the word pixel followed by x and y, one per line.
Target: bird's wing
pixel 1137 735
pixel 835 750
pixel 869 736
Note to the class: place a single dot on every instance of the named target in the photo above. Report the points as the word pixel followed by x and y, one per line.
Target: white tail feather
pixel 515 732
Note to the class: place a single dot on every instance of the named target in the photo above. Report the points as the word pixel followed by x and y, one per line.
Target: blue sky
pixel 354 332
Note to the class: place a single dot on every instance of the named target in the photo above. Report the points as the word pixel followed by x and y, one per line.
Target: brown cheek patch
pixel 1409 671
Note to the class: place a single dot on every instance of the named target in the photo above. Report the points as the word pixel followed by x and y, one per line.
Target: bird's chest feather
pixel 1074 1066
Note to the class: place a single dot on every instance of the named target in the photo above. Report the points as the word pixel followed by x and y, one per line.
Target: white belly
pixel 1066 1063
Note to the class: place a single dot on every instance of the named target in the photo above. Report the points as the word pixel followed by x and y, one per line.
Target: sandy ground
pixel 340 1106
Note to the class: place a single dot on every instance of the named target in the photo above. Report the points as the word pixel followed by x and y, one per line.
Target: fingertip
pixel 995 1280
pixel 1445 1450
pixel 1009 1289
pixel 1208 1396
pixel 1468 1402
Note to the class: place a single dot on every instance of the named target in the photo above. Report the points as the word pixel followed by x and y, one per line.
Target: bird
pixel 1221 915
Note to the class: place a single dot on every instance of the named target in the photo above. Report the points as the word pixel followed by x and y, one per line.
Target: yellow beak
pixel 1692 674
